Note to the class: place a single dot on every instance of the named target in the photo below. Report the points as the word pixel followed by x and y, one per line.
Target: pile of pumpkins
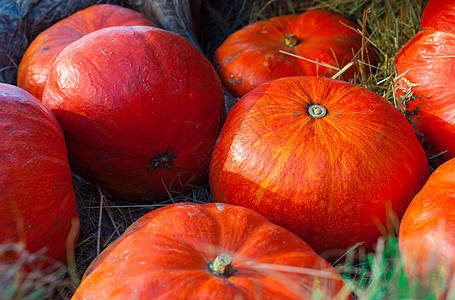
pixel 304 166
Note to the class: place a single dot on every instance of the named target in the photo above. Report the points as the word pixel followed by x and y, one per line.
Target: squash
pixel 425 65
pixel 326 40
pixel 427 230
pixel 141 109
pixel 37 60
pixel 326 159
pixel 439 15
pixel 209 251
pixel 37 199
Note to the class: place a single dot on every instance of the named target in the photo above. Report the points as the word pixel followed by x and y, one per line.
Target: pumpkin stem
pixel 221 266
pixel 317 111
pixel 291 40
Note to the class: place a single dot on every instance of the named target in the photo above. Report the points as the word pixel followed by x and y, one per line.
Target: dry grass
pixel 47 283
pixel 104 220
pixel 389 25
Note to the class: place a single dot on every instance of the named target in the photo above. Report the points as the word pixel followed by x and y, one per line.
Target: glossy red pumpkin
pixel 251 56
pixel 141 109
pixel 439 15
pixel 209 251
pixel 427 230
pixel 35 64
pixel 37 200
pixel 323 158
pixel 426 65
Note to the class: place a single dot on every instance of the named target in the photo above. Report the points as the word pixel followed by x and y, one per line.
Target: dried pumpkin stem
pixel 221 266
pixel 291 40
pixel 317 111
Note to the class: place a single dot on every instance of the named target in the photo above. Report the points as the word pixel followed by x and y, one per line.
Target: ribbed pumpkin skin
pixel 328 180
pixel 37 200
pixel 166 253
pixel 35 64
pixel 427 230
pixel 141 109
pixel 440 15
pixel 250 56
pixel 427 62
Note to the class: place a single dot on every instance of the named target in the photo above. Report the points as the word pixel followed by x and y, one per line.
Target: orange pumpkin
pixel 141 109
pixel 209 251
pixel 37 200
pixel 323 158
pixel 425 66
pixel 326 40
pixel 439 15
pixel 35 64
pixel 427 230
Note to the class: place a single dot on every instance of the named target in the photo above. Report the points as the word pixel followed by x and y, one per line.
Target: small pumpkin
pixel 34 67
pixel 209 251
pixel 326 40
pixel 37 199
pixel 141 109
pixel 326 159
pixel 427 230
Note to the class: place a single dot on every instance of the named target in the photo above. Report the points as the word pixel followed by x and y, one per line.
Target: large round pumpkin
pixel 141 109
pixel 209 251
pixel 326 159
pixel 425 66
pixel 325 42
pixel 35 64
pixel 427 230
pixel 37 200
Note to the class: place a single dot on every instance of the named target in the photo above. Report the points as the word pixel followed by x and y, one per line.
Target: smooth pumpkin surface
pixel 322 158
pixel 427 230
pixel 37 200
pixel 426 65
pixel 209 251
pixel 141 109
pixel 34 67
pixel 439 15
pixel 251 55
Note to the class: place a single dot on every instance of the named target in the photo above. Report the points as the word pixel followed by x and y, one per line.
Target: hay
pixel 104 220
pixel 21 279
